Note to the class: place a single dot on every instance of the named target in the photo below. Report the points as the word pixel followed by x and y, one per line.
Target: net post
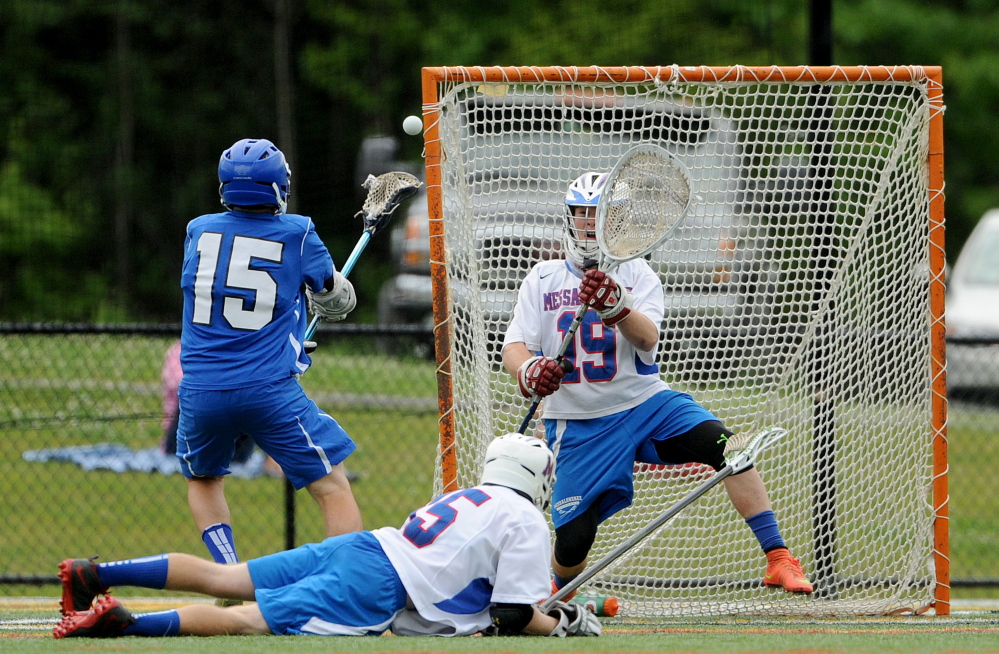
pixel 938 344
pixel 438 273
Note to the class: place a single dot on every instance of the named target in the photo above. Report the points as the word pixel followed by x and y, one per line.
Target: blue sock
pixel 162 623
pixel 764 526
pixel 147 572
pixel 562 581
pixel 218 540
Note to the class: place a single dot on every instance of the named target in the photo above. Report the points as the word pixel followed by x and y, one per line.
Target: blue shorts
pixel 596 457
pixel 343 586
pixel 278 416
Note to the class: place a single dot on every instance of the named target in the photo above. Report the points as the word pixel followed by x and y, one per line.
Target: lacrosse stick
pixel 385 193
pixel 739 463
pixel 643 201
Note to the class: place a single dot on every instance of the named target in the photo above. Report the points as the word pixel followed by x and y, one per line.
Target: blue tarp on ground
pixel 119 458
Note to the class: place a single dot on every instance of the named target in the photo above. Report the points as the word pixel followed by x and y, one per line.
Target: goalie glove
pixel 612 301
pixel 540 376
pixel 334 304
pixel 573 620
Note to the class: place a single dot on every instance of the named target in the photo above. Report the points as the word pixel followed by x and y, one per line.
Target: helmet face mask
pixel 522 463
pixel 584 191
pixel 254 173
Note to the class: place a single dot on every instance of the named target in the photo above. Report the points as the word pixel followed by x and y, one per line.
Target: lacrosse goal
pixel 804 290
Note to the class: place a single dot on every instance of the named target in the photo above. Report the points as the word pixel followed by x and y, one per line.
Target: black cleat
pixel 108 619
pixel 80 585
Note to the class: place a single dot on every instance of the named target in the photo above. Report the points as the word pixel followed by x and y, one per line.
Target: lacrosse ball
pixel 412 125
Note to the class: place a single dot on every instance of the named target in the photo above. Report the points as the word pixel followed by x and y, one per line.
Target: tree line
pixel 113 113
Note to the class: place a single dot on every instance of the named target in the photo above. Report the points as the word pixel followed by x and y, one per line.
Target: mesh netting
pixel 645 198
pixel 386 191
pixel 797 294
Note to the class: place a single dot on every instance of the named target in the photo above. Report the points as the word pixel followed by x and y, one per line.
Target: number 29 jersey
pixel 244 302
pixel 609 374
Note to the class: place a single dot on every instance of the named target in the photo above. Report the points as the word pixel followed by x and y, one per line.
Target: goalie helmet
pixel 523 463
pixel 253 172
pixel 583 192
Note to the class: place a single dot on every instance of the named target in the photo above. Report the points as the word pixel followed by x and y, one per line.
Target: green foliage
pixel 114 114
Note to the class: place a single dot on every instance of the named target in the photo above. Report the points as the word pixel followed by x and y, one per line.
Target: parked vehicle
pixel 710 267
pixel 972 314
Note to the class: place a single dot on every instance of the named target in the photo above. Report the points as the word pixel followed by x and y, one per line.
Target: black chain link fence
pixel 82 471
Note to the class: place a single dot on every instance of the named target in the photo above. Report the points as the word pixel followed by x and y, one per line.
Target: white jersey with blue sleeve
pixel 465 551
pixel 245 311
pixel 609 374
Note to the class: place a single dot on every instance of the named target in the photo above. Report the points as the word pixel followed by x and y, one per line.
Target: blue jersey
pixel 244 297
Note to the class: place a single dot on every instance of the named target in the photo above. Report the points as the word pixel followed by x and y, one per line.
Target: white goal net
pixel 804 291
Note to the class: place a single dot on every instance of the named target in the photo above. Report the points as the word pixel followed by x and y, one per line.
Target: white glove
pixel 573 620
pixel 334 304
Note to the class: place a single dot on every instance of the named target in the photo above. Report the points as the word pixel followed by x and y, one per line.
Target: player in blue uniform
pixel 470 560
pixel 249 274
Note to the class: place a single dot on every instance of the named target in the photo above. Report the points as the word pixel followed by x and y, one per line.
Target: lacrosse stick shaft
pixel 739 463
pixel 639 536
pixel 347 267
pixel 559 355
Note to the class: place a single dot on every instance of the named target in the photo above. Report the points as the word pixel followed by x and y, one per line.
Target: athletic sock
pixel 218 540
pixel 161 623
pixel 147 572
pixel 764 526
pixel 562 581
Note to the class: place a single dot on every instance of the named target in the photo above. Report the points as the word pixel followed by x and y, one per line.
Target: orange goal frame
pixel 932 76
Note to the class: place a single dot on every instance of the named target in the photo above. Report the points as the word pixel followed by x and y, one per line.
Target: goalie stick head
pixel 252 173
pixel 523 463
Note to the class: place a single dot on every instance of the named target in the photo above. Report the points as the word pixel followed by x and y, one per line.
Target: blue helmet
pixel 254 172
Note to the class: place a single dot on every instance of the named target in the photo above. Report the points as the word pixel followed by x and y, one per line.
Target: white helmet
pixel 523 463
pixel 583 192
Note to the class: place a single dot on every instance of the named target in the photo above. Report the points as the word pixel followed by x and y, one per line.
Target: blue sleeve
pixel 317 264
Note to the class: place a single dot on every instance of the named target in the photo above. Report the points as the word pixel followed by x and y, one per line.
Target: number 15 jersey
pixel 244 303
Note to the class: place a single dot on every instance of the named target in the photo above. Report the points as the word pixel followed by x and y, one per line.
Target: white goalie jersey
pixel 609 373
pixel 462 553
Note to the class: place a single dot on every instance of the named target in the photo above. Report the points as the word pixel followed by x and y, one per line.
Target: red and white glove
pixel 540 376
pixel 612 301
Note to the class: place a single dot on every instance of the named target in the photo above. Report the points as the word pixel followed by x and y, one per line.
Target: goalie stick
pixel 645 198
pixel 385 193
pixel 739 463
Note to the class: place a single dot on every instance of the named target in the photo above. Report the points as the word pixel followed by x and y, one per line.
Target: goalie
pixel 612 408
pixel 471 561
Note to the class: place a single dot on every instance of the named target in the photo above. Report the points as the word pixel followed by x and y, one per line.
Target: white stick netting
pixel 645 198
pixel 796 294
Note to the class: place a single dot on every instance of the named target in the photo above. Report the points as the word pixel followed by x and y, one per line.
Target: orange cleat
pixel 785 571
pixel 568 597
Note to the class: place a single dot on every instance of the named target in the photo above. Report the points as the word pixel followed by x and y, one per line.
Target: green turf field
pixel 25 626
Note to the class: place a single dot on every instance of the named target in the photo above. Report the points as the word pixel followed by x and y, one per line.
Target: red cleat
pixel 80 585
pixel 785 571
pixel 108 619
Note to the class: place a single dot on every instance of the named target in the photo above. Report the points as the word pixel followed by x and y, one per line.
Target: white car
pixel 972 314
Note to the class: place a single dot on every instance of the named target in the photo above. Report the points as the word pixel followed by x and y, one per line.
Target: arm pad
pixel 335 303
pixel 510 619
